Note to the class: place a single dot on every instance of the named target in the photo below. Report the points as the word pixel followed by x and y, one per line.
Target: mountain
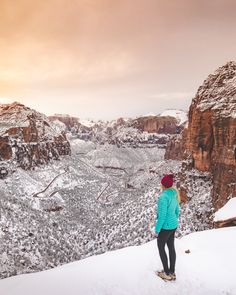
pixel 209 141
pixel 98 199
pixel 69 121
pixel 28 138
pixel 180 115
pixel 146 130
pixel 205 265
pixel 157 124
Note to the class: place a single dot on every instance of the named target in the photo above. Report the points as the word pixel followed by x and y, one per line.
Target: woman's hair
pixel 178 194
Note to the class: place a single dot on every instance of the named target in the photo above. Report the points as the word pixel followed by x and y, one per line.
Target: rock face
pixel 28 138
pixel 210 138
pixel 157 124
pixel 225 223
pixel 226 216
pixel 69 121
pixel 176 147
pixel 148 130
pixel 212 131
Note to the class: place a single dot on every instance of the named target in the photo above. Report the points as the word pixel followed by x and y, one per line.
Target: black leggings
pixel 167 237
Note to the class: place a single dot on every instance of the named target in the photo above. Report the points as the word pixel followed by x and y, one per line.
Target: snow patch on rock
pixel 181 116
pixel 227 211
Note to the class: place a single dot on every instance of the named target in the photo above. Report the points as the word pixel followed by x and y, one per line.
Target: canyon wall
pixel 210 138
pixel 28 138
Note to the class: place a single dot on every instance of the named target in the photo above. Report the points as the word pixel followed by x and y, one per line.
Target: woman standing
pixel 166 225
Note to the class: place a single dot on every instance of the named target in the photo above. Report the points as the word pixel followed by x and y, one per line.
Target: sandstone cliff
pixel 28 138
pixel 157 124
pixel 210 138
pixel 146 130
pixel 176 146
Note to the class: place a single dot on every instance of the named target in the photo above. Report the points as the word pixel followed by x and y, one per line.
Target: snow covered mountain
pixel 149 130
pixel 28 138
pixel 100 198
pixel 206 269
pixel 180 115
pixel 209 141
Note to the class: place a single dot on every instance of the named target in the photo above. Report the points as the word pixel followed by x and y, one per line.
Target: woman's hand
pixel 156 235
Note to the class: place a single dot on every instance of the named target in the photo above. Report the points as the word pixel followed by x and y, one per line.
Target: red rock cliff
pixel 211 134
pixel 28 138
pixel 212 131
pixel 157 124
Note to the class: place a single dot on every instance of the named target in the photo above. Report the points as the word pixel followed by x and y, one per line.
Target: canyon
pixel 209 141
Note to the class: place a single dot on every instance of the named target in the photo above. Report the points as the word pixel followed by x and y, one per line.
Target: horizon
pixel 104 59
pixel 5 101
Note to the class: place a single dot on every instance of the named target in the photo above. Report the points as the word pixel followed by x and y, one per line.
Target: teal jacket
pixel 168 210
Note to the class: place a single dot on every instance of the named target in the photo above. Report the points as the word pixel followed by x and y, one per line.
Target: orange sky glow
pixel 105 59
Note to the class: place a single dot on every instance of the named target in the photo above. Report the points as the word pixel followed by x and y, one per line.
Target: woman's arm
pixel 161 213
pixel 177 210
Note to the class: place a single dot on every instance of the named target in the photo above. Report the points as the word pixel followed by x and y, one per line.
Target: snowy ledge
pixel 228 211
pixel 206 268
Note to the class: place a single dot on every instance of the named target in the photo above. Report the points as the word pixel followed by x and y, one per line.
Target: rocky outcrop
pixel 28 138
pixel 176 147
pixel 212 131
pixel 225 223
pixel 69 121
pixel 157 124
pixel 226 216
pixel 147 130
pixel 210 138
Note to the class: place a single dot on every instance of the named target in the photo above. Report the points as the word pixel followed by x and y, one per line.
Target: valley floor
pixel 103 198
pixel 209 269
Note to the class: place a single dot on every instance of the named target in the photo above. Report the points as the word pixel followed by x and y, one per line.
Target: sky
pixel 105 59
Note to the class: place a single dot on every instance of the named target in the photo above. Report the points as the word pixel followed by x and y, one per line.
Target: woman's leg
pixel 161 241
pixel 172 253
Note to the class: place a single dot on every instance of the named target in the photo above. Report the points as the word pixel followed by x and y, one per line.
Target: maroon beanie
pixel 167 180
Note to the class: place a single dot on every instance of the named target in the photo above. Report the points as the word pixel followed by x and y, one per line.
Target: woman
pixel 166 225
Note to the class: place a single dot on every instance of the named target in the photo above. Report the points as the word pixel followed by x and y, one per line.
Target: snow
pixel 10 118
pixel 207 269
pixel 62 115
pixel 180 115
pixel 149 115
pixel 17 115
pixel 87 123
pixel 218 92
pixel 227 211
pixel 81 146
pixel 58 126
pixel 119 217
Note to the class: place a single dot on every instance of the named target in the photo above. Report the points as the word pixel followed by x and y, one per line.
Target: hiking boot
pixel 173 276
pixel 164 276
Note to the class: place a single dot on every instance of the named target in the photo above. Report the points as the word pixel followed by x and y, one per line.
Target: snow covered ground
pixel 207 269
pixel 227 211
pixel 106 200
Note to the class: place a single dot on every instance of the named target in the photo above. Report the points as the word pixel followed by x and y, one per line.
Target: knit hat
pixel 167 180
